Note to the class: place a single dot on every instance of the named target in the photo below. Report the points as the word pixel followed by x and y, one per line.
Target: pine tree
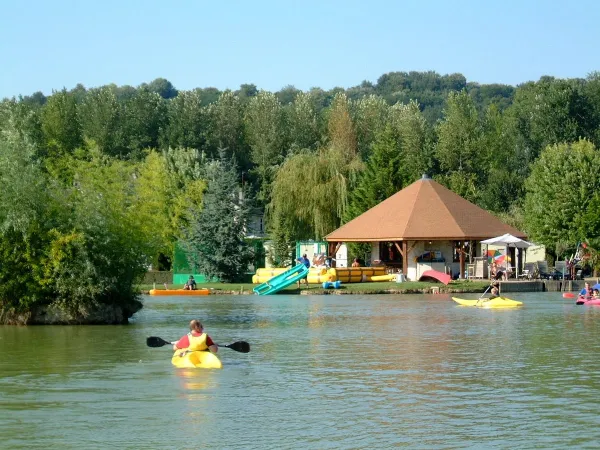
pixel 382 177
pixel 215 239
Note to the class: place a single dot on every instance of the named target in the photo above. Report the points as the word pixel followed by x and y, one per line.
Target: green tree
pixel 144 117
pixel 382 176
pixel 101 117
pixel 502 167
pixel 415 142
pixel 370 114
pixel 303 123
pixel 226 128
pixel 265 132
pixel 215 240
pixel 558 193
pixel 314 212
pixel 162 87
pixel 187 122
pixel 60 124
pixel 459 146
pixel 552 111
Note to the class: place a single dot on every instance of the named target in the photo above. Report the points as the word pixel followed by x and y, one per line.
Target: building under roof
pixel 423 217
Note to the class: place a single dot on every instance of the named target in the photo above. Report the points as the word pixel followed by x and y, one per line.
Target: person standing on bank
pixel 304 260
pixel 196 340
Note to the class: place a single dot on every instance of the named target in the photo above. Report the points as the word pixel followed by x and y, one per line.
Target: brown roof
pixel 425 210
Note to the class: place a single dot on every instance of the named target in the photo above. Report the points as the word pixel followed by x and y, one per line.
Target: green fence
pixel 182 269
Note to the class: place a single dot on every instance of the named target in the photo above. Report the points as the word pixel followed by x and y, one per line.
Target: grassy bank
pixel 387 287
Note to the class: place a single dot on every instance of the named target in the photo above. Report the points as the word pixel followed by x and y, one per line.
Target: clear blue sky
pixel 46 45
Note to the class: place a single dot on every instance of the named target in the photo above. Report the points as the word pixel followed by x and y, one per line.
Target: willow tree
pixel 310 191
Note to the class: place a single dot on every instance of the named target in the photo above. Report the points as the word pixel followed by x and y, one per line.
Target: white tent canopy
pixel 508 240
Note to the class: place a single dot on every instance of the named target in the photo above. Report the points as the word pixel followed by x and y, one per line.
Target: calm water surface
pixel 325 372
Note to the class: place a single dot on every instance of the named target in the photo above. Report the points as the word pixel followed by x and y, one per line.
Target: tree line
pixel 99 183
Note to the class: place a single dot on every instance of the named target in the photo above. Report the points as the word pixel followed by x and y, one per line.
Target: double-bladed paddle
pixel 240 346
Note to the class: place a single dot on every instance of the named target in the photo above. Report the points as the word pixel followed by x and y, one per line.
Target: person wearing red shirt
pixel 196 339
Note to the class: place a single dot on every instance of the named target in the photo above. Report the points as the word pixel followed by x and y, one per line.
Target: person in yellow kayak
pixel 495 292
pixel 196 339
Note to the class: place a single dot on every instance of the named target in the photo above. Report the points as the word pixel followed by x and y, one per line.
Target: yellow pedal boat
pixel 496 302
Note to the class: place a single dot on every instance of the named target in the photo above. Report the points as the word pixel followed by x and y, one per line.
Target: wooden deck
pixel 541 285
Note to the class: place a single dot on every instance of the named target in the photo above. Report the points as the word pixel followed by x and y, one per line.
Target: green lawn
pixel 354 288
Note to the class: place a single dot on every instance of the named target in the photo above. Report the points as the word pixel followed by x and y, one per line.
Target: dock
pixel 541 285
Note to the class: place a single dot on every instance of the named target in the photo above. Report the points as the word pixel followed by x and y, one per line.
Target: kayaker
pixel 586 291
pixel 196 339
pixel 190 284
pixel 495 292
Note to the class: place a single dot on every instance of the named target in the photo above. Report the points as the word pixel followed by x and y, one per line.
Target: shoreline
pixel 435 290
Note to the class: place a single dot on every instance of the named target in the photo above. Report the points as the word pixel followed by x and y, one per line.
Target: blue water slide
pixel 281 281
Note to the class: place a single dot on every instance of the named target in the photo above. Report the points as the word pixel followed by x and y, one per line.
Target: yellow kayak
pixel 496 302
pixel 188 360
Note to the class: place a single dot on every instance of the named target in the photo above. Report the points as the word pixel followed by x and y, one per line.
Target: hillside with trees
pixel 100 183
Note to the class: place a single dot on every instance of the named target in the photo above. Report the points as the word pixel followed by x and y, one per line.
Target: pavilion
pixel 422 227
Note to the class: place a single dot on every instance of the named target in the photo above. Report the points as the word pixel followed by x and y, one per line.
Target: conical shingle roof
pixel 424 210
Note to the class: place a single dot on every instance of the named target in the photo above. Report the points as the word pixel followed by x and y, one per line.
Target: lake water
pixel 325 372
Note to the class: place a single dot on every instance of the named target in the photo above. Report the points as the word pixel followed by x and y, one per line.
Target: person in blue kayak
pixel 304 260
pixel 196 340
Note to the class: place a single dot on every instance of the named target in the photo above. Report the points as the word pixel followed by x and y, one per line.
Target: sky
pixel 48 45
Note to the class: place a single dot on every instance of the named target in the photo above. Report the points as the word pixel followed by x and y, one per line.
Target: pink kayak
pixel 584 301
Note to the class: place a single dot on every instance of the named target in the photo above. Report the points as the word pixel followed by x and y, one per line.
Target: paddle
pixel 240 346
pixel 485 292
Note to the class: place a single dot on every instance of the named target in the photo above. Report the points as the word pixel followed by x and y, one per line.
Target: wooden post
pixel 462 262
pixel 405 258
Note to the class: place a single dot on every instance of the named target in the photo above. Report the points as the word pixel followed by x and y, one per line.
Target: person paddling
pixel 495 292
pixel 196 339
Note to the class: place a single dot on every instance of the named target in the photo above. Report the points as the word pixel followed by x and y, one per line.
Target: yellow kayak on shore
pixel 496 302
pixel 201 359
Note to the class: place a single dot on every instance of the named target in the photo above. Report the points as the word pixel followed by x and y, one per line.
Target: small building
pixel 424 226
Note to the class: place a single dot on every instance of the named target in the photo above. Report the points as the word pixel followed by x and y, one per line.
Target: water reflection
pixel 324 372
